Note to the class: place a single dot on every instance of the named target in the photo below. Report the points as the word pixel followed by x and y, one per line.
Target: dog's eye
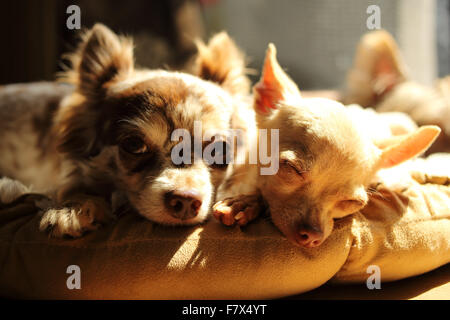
pixel 289 168
pixel 217 151
pixel 134 145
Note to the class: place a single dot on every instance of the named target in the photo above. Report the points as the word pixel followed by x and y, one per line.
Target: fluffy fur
pixel 109 133
pixel 11 190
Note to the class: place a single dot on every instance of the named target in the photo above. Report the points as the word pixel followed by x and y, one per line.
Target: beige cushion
pixel 405 234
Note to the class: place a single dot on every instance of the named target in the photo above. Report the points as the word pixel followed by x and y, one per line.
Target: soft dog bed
pixel 403 233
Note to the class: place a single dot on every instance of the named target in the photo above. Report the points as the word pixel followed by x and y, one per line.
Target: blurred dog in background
pixel 379 79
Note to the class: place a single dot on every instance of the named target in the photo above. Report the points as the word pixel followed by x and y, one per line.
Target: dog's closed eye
pixel 290 169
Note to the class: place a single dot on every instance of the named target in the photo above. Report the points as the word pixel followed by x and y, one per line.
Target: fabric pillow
pixel 403 233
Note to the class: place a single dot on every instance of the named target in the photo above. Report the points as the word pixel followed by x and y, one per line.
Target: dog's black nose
pixel 309 237
pixel 183 204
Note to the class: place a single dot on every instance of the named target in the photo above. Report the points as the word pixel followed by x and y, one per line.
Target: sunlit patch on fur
pixel 107 101
pixel 10 190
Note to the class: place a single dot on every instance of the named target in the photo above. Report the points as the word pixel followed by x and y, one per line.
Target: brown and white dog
pixel 328 156
pixel 379 79
pixel 109 133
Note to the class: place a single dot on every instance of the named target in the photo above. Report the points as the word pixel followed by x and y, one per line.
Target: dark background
pixel 315 39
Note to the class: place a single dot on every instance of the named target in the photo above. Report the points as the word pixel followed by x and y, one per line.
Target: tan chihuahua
pixel 379 79
pixel 327 160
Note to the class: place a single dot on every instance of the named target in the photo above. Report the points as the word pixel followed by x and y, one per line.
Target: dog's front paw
pixel 75 218
pixel 240 209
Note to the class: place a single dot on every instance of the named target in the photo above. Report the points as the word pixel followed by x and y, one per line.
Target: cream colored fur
pixel 328 156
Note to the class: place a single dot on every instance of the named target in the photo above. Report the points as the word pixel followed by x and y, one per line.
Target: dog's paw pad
pixel 238 210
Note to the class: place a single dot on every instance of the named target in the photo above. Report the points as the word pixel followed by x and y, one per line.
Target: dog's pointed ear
pixel 377 68
pixel 402 148
pixel 274 87
pixel 102 56
pixel 222 62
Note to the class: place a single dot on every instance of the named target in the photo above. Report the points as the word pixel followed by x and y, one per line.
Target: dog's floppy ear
pixel 274 87
pixel 222 62
pixel 377 68
pixel 402 148
pixel 101 57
